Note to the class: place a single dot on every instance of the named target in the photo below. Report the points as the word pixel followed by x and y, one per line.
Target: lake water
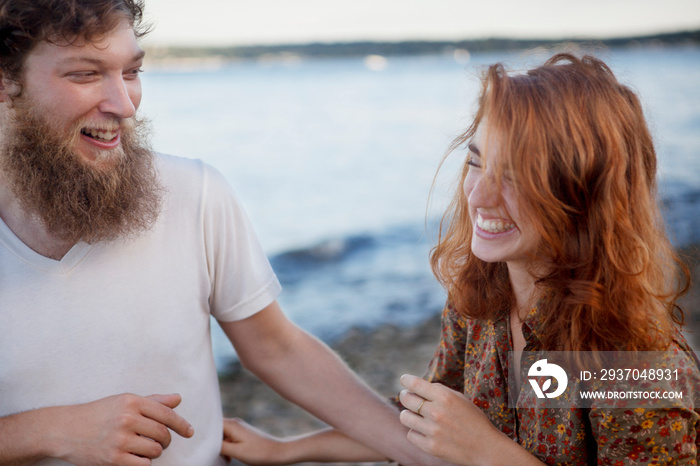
pixel 335 159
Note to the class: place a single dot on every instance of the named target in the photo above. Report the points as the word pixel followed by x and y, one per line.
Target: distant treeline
pixel 349 49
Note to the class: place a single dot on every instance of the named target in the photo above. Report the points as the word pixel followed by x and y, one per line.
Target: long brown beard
pixel 118 197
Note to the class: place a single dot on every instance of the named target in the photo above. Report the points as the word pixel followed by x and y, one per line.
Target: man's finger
pixel 155 431
pixel 145 447
pixel 160 412
pixel 171 400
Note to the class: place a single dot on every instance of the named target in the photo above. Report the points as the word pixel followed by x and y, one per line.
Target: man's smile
pixel 102 135
pixel 102 138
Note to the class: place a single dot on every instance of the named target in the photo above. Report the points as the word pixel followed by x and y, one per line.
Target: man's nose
pixel 116 99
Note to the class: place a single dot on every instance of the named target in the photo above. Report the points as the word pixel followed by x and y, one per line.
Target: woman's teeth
pixel 494 226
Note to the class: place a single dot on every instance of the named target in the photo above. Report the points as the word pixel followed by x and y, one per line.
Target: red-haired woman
pixel 554 243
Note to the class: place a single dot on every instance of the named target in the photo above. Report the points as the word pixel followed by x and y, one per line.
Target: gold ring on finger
pixel 419 407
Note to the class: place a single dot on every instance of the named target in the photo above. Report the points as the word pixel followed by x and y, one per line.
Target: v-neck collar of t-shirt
pixel 67 263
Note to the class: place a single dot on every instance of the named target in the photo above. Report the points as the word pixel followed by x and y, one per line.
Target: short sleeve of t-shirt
pixel 242 279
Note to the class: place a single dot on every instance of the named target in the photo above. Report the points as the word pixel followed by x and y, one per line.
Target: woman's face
pixel 502 233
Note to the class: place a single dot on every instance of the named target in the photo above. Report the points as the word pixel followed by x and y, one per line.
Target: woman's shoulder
pixel 681 349
pixel 473 333
pixel 451 314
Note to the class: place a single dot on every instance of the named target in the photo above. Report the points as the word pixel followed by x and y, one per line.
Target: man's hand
pixel 119 430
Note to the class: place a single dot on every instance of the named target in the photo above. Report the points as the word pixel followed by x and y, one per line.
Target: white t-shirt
pixel 133 316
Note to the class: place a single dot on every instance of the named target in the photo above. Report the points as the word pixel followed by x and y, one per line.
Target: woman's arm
pixel 252 446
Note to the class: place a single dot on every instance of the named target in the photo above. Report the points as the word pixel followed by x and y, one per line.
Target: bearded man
pixel 113 258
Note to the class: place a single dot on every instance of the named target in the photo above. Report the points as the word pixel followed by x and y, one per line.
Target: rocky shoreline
pixel 380 356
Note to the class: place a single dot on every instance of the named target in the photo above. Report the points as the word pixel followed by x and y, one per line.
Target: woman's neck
pixel 524 289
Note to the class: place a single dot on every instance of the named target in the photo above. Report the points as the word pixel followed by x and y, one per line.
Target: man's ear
pixel 8 89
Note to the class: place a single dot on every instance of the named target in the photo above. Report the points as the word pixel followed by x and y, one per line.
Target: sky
pixel 250 22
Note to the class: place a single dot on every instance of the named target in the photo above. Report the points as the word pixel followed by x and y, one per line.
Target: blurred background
pixel 330 119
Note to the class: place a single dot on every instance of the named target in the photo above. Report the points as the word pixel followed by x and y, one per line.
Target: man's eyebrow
pixel 98 61
pixel 475 150
pixel 139 55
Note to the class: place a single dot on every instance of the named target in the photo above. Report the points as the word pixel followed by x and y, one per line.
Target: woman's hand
pixel 446 424
pixel 250 445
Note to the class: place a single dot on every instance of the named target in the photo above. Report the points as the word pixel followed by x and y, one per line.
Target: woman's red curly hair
pixel 582 162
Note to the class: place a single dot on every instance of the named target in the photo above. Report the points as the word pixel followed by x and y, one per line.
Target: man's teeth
pixel 102 134
pixel 494 226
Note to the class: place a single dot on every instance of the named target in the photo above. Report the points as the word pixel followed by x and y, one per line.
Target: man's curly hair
pixel 25 23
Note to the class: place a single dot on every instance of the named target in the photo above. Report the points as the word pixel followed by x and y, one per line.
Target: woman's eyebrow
pixel 475 150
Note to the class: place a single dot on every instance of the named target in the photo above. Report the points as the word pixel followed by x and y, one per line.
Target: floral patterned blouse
pixel 472 358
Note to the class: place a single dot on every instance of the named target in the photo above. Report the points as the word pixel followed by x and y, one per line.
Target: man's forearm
pixel 329 446
pixel 309 374
pixel 21 439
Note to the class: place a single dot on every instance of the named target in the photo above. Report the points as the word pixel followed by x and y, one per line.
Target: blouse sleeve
pixel 645 436
pixel 654 434
pixel 447 364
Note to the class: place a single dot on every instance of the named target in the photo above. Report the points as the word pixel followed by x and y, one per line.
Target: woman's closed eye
pixel 473 156
pixel 474 162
